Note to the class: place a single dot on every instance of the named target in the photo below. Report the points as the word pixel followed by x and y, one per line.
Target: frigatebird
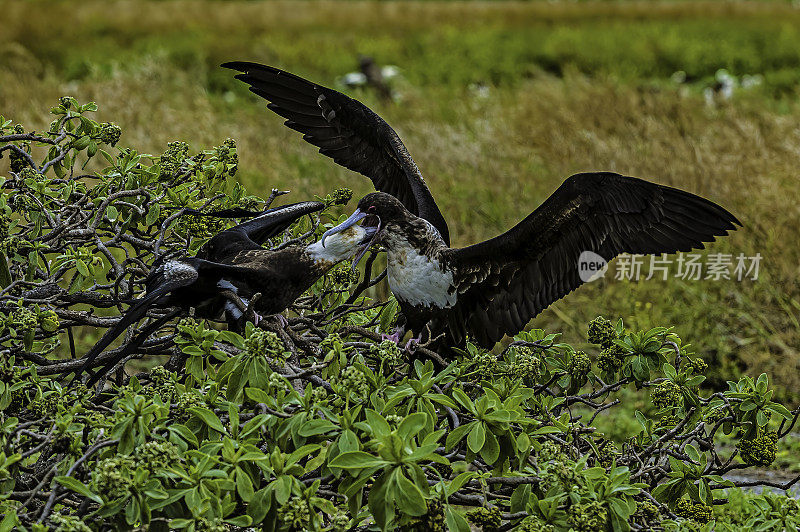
pixel 231 268
pixel 495 287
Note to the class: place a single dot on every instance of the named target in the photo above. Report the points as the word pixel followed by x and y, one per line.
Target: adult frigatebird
pixel 494 287
pixel 229 270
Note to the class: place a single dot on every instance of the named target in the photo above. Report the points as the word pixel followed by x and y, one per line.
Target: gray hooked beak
pixel 354 219
pixel 372 234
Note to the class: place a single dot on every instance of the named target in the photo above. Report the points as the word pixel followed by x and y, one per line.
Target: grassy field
pixel 571 87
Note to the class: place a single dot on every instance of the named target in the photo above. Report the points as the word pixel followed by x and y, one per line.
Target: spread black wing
pixel 505 281
pixel 253 233
pixel 347 131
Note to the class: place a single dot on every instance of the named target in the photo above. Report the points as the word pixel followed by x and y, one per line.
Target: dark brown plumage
pixel 495 287
pixel 348 132
pixel 228 271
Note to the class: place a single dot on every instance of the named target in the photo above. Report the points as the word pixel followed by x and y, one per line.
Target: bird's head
pixel 378 211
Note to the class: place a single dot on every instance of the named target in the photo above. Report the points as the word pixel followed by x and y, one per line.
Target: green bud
pixel 759 450
pixel 601 332
pixel 667 395
pixel 695 511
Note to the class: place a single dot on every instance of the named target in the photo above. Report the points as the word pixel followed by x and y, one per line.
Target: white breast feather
pixel 419 280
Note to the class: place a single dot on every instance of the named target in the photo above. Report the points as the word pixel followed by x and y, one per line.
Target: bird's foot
pixel 395 336
pixel 250 312
pixel 413 343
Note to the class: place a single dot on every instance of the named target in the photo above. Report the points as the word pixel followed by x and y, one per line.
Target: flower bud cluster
pixel 601 332
pixel 647 511
pixel 579 363
pixel 667 395
pixel 526 364
pixel 186 401
pixel 295 514
pixel 344 275
pixel 340 196
pixel 389 352
pixel 353 382
pixel 698 365
pixel 44 405
pixel 340 521
pixel 587 517
pixel 261 343
pixel 695 511
pixel 488 518
pixel 68 523
pixel 761 449
pixel 531 524
pixel 611 358
pixel 110 133
pixel 155 455
pixel 113 476
pixel 485 362
pixel 172 159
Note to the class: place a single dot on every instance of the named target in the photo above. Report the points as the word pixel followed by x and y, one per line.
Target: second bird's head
pixel 377 210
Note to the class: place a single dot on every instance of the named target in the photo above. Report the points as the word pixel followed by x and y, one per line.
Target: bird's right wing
pixel 347 131
pixel 504 282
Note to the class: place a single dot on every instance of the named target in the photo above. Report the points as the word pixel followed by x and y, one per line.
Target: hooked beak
pixel 354 219
pixel 372 234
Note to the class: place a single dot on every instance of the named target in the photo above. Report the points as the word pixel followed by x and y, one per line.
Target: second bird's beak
pixel 369 238
pixel 354 219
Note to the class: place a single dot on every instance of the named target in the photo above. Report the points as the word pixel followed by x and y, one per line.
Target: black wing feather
pixel 253 233
pixel 507 280
pixel 347 131
pixel 134 314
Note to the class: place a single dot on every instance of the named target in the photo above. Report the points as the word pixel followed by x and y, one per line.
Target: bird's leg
pixel 282 320
pixel 412 343
pixel 250 312
pixel 234 298
pixel 397 333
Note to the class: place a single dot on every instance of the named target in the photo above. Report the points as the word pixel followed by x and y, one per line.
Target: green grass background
pixel 572 87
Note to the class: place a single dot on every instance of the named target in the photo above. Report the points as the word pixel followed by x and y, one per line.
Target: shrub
pixel 321 426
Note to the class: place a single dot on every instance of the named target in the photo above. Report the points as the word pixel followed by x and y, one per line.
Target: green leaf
pixel 357 460
pixel 455 521
pixel 209 418
pixel 457 435
pixel 259 505
pixel 491 449
pixel 79 487
pixel 244 485
pixel 476 438
pixel 257 395
pixel 410 499
pixel 315 427
pixel 380 427
pixel 412 424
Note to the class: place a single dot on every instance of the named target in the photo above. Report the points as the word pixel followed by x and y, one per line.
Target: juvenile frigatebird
pixel 494 287
pixel 229 270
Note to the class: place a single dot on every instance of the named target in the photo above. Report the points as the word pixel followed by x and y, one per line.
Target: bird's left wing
pixel 254 232
pixel 346 130
pixel 507 280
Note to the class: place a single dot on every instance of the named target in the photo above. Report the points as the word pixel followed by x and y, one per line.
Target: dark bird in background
pixel 495 287
pixel 229 270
